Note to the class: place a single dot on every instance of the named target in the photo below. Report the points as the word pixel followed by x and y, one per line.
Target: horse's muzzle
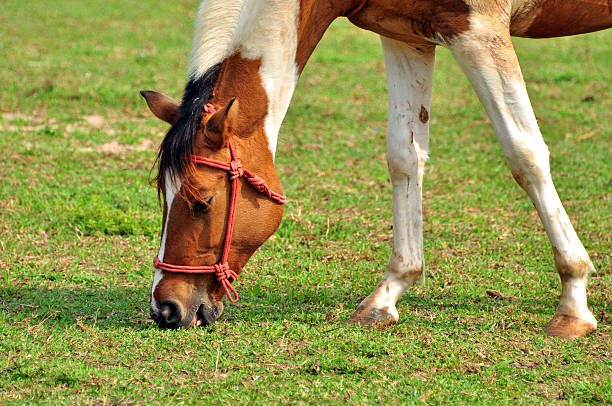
pixel 172 315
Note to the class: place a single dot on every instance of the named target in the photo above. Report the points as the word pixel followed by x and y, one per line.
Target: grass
pixel 80 224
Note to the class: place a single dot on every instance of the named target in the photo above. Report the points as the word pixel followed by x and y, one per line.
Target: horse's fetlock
pixel 404 269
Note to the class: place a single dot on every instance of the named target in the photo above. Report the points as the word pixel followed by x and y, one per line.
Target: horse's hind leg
pixel 487 57
pixel 409 80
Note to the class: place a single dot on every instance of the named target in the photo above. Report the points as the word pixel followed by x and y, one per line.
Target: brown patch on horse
pixel 314 17
pixel 239 78
pixel 415 21
pixel 423 115
pixel 556 18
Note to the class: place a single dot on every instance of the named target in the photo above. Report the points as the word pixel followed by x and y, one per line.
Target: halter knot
pixel 236 170
pixel 260 185
pixel 223 272
pixel 226 276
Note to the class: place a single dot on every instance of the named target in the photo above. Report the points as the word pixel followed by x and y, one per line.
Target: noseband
pixel 225 275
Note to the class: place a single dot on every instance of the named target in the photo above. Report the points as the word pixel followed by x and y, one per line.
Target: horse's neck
pixel 278 35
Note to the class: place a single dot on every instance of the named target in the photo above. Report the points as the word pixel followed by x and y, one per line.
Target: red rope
pixel 225 275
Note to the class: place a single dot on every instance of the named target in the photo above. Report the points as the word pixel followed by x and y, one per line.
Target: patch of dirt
pixel 93 121
pixel 16 121
pixel 114 148
pixel 96 121
pixel 10 122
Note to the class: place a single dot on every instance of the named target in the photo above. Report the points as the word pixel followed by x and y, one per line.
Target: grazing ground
pixel 79 226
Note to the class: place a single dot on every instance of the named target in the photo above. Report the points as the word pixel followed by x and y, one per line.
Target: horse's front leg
pixel 487 57
pixel 409 80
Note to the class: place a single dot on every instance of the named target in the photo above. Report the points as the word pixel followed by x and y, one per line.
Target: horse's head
pixel 197 200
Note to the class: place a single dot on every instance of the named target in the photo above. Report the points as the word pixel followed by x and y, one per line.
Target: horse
pixel 222 198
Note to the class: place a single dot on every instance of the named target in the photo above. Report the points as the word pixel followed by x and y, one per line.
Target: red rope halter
pixel 225 275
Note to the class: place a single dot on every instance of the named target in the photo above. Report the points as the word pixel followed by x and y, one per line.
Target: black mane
pixel 178 142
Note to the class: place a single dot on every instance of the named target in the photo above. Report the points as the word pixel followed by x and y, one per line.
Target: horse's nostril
pixel 207 315
pixel 170 313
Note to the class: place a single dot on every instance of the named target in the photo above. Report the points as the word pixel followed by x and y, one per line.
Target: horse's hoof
pixel 369 316
pixel 565 326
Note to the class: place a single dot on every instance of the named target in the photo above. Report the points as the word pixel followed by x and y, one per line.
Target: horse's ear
pixel 221 125
pixel 162 106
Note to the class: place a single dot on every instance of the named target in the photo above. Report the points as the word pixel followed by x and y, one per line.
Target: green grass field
pixel 79 226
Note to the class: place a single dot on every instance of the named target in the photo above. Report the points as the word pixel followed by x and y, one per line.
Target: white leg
pixel 409 81
pixel 488 59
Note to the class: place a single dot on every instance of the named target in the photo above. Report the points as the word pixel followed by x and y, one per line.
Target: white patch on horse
pixel 172 186
pixel 159 274
pixel 265 29
pixel 214 32
pixel 272 36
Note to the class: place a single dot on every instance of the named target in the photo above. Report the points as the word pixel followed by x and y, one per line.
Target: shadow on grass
pixel 465 313
pixel 311 306
pixel 128 307
pixel 105 307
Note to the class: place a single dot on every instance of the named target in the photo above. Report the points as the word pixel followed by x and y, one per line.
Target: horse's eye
pixel 202 206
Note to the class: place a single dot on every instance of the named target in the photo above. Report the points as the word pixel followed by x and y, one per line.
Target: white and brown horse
pixel 254 51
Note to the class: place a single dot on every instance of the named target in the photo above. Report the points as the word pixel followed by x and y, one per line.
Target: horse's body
pixel 255 50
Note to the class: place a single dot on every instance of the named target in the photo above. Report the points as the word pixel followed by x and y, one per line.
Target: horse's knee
pixel 402 156
pixel 528 160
